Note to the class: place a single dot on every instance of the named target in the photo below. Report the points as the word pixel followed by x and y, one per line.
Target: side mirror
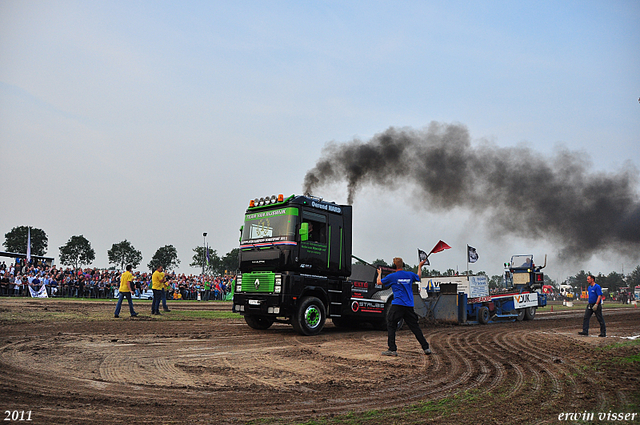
pixel 241 229
pixel 304 232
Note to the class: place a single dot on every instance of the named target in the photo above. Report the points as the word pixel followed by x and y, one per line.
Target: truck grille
pixel 258 282
pixel 521 278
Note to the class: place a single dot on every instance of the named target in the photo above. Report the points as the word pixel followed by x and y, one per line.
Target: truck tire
pixel 258 322
pixel 483 315
pixel 529 313
pixel 521 312
pixel 310 316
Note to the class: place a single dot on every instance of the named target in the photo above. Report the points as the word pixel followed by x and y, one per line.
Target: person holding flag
pixel 401 283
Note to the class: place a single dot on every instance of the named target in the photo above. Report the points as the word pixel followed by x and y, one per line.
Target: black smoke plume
pixel 519 192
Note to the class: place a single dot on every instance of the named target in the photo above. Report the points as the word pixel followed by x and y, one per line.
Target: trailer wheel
pixel 310 316
pixel 483 315
pixel 258 322
pixel 529 313
pixel 521 312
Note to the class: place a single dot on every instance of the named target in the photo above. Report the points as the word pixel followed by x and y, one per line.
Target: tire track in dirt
pixel 478 340
pixel 401 391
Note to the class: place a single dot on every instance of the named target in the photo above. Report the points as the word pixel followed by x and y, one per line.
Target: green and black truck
pixel 295 267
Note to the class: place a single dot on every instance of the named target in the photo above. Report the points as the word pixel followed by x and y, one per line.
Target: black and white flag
pixel 473 254
pixel 423 256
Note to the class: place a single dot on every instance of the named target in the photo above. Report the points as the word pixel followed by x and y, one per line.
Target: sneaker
pixel 602 335
pixel 583 333
pixel 390 353
pixel 134 315
pixel 166 309
pixel 427 351
pixel 116 316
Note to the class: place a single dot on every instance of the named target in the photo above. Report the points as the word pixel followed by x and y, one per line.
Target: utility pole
pixel 204 248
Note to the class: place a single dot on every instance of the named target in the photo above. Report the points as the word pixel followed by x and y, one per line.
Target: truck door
pixel 313 251
pixel 337 262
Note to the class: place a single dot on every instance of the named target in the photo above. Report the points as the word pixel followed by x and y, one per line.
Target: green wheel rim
pixel 312 316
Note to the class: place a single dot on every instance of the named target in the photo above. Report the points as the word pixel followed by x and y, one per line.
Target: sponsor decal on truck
pixel 525 300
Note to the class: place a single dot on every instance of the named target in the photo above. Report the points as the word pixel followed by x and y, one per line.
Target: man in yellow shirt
pixel 126 281
pixel 157 285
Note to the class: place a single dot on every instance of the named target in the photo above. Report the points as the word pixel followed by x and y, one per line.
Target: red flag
pixel 440 246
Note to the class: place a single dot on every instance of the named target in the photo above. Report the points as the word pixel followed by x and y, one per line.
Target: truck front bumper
pixel 262 304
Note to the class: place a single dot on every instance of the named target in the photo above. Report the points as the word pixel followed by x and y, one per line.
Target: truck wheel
pixel 310 317
pixel 483 315
pixel 529 313
pixel 258 322
pixel 520 312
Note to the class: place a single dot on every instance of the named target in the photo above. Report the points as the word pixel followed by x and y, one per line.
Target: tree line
pixel 77 252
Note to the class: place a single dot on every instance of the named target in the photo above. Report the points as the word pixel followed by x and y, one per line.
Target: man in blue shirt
pixel 594 306
pixel 401 283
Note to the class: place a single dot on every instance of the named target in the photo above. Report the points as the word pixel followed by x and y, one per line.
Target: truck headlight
pixel 239 284
pixel 277 288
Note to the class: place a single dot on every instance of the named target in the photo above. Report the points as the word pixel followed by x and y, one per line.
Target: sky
pixel 156 121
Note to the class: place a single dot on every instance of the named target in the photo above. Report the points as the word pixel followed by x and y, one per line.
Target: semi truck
pixel 294 262
pixel 295 266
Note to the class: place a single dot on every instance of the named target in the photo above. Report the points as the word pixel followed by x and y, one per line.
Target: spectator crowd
pixel 16 278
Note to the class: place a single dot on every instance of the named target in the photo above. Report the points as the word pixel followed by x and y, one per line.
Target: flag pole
pixel 467 262
pixel 28 245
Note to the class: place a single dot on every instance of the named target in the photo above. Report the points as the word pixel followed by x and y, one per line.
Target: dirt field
pixel 72 362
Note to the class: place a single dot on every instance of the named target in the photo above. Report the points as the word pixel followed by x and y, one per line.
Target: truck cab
pixel 295 256
pixel 524 273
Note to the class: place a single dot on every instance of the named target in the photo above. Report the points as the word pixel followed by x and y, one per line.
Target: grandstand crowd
pixel 16 279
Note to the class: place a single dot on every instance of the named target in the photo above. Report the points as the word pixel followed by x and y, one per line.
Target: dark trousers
pixel 587 315
pixel 410 317
pixel 157 296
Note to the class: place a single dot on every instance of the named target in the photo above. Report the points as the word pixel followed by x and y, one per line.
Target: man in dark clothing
pixel 401 283
pixel 594 306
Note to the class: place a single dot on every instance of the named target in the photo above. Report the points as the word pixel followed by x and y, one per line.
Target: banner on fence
pixel 40 293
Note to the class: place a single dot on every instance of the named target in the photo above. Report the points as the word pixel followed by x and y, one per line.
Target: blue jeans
pixel 121 295
pixel 155 306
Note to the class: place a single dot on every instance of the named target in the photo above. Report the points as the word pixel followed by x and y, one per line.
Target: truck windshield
pixel 521 261
pixel 270 226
